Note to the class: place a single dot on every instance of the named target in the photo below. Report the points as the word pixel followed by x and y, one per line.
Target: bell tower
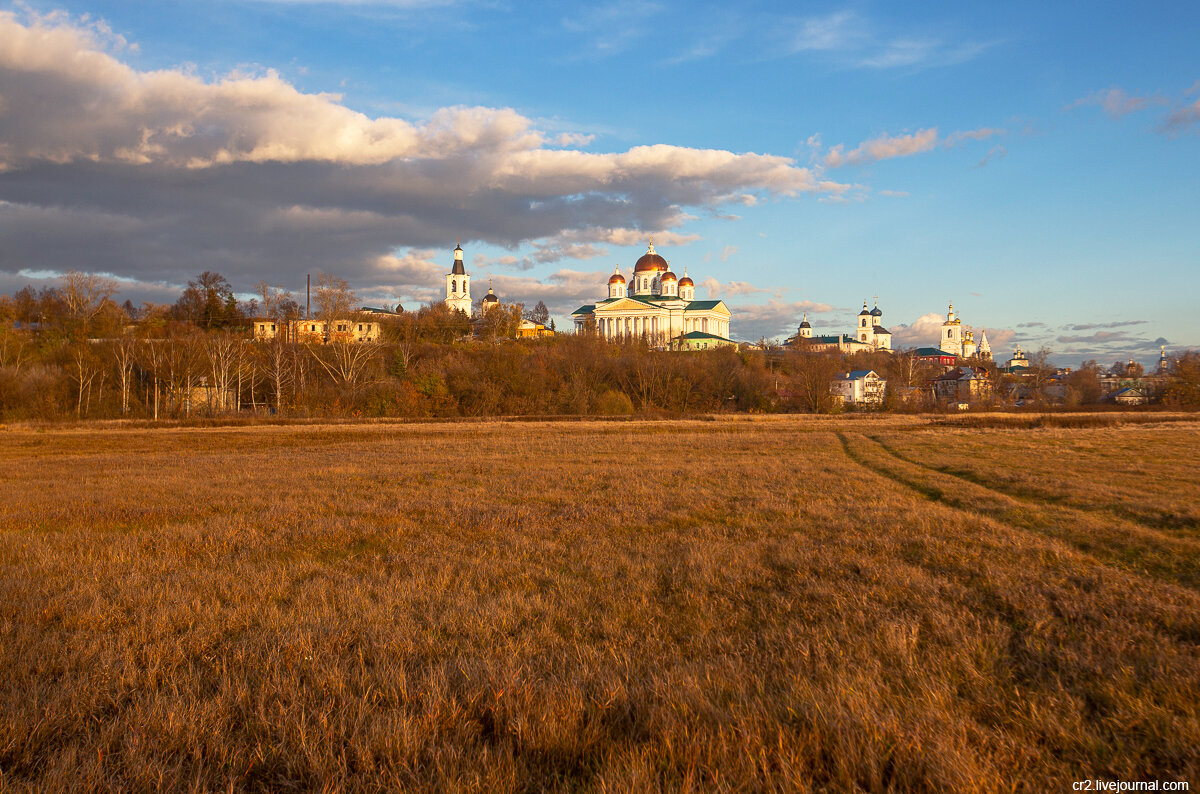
pixel 458 284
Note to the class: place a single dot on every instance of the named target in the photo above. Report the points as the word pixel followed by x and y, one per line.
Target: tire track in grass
pixel 1122 544
pixel 1035 496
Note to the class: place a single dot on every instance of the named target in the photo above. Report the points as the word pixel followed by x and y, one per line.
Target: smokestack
pixel 307 296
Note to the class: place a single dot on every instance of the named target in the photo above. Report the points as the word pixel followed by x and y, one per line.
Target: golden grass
pixel 693 605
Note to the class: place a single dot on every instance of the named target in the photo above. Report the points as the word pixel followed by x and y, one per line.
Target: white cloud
pixel 925 331
pixel 835 31
pixel 727 252
pixel 884 147
pixel 773 319
pixel 1117 102
pixel 716 289
pixel 1182 119
pixel 158 175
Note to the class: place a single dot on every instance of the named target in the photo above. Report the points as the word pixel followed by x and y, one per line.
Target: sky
pixel 1037 164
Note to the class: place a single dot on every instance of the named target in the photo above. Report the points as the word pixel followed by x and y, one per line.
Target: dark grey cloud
pixel 1093 326
pixel 158 176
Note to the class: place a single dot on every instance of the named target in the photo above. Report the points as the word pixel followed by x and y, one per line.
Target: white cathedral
pixel 656 305
pixel 959 340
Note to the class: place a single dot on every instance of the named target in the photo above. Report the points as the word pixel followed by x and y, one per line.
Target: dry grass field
pixel 743 605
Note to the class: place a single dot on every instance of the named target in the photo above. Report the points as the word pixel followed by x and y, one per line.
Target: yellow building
pixel 317 331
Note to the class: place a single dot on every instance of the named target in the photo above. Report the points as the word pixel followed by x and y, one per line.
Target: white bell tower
pixel 458 284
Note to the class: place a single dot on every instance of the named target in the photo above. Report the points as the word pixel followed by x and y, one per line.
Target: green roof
pixel 701 305
pixel 584 309
pixel 702 335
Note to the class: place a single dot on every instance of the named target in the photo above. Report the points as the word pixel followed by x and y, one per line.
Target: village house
pixel 963 384
pixel 860 387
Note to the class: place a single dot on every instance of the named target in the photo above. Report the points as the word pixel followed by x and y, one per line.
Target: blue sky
pixel 1036 163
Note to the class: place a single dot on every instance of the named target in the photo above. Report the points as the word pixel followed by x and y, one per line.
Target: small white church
pixel 458 287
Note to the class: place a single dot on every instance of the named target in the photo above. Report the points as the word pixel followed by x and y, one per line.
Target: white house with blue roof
pixel 860 387
pixel 657 306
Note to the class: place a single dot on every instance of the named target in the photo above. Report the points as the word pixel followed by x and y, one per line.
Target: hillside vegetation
pixel 742 604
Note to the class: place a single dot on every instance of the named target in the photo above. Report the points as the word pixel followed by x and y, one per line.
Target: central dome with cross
pixel 650 261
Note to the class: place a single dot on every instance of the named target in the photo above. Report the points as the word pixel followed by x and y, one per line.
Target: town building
pixel 963 384
pixel 935 355
pixel 528 329
pixel 860 387
pixel 313 331
pixel 655 305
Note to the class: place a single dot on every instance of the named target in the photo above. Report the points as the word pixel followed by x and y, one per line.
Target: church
pixel 868 337
pixel 959 340
pixel 658 306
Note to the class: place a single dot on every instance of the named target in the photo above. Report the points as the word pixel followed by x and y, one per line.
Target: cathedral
pixel 656 305
pixel 959 340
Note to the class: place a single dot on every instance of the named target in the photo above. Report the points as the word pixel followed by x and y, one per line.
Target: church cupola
pixel 616 283
pixel 490 300
pixel 805 329
pixel 876 314
pixel 647 270
pixel 687 287
pixel 668 285
pixel 864 317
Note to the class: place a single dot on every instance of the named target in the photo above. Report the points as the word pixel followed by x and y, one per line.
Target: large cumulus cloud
pixel 157 175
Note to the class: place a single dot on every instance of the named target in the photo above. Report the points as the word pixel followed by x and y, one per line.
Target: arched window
pixel 454 286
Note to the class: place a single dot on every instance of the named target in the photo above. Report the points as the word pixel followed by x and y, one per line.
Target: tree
pixel 334 298
pixel 84 295
pixel 501 320
pixel 1083 385
pixel 124 354
pixel 208 302
pixel 84 368
pixel 812 376
pixel 221 352
pixel 539 314
pixel 277 303
pixel 1184 388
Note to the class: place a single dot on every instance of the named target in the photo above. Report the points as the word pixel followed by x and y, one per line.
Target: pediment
pixel 626 305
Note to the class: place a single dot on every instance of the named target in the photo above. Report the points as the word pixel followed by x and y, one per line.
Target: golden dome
pixel 650 261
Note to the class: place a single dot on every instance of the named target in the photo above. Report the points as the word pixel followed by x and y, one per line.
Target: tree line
pixel 72 351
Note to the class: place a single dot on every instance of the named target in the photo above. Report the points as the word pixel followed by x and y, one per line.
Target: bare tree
pixel 14 348
pixel 279 366
pixel 151 356
pixel 814 374
pixel 124 355
pixel 84 294
pixel 346 362
pixel 84 368
pixel 221 352
pixel 335 300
